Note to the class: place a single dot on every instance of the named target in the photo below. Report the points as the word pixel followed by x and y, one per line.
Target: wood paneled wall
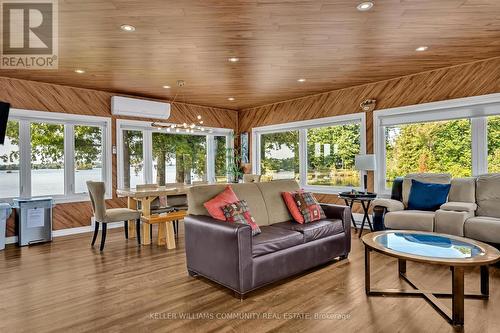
pixel 478 78
pixel 38 96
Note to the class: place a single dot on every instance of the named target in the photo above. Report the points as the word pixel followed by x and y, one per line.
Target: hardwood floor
pixel 66 286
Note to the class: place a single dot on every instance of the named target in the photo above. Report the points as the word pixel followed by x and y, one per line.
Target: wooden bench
pixel 165 226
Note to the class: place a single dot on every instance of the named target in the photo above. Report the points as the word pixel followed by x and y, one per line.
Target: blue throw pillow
pixel 426 196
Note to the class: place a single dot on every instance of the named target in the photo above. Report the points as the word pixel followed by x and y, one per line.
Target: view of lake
pixel 45 181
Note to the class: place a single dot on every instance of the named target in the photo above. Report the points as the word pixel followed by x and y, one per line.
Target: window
pixel 330 155
pixel 47 159
pixel 88 156
pixel 149 155
pixel 437 147
pixel 494 144
pixel 9 162
pixel 54 154
pixel 221 154
pixel 280 155
pixel 179 158
pixel 133 158
pixel 460 137
pixel 318 153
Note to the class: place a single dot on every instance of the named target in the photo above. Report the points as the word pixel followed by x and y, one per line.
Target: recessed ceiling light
pixel 79 71
pixel 127 27
pixel 422 48
pixel 230 99
pixel 364 6
pixel 166 87
pixel 301 80
pixel 233 59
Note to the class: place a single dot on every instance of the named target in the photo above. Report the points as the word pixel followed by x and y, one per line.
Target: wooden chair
pixel 104 216
pixel 249 178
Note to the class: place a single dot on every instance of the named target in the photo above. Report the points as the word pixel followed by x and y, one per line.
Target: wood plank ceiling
pixel 329 43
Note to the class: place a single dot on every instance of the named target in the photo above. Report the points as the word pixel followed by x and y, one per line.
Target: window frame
pixel 147 132
pixel 26 117
pixel 477 109
pixel 302 127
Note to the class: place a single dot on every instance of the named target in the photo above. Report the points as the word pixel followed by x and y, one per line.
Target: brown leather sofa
pixel 227 253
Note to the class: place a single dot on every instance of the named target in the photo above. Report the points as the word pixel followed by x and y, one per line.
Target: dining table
pixel 146 197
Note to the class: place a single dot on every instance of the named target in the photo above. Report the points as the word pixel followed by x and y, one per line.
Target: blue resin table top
pixel 429 245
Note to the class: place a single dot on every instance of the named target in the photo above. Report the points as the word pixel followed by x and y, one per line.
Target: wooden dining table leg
pixel 146 211
pixel 131 204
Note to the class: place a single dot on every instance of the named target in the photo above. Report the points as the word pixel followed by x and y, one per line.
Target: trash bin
pixel 34 220
pixel 5 211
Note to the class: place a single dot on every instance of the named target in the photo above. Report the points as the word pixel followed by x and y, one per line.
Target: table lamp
pixel 365 163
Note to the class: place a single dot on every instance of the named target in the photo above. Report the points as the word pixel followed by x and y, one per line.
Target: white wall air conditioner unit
pixel 134 107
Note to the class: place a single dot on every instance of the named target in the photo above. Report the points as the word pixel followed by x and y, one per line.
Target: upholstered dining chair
pixel 249 178
pixel 103 216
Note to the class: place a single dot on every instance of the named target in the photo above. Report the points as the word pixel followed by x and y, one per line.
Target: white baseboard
pixel 69 231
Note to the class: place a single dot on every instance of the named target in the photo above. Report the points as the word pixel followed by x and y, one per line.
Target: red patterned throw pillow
pixel 238 212
pixel 214 206
pixel 308 207
pixel 289 199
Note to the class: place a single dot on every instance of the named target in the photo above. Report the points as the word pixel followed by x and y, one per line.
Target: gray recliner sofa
pixel 226 253
pixel 472 209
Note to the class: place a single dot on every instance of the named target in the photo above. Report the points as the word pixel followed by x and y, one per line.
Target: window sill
pixel 329 189
pixel 61 199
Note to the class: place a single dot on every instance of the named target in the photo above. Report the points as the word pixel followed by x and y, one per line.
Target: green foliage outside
pixel 47 146
pixel 494 144
pixel 189 153
pixel 443 146
pixel 330 152
pixel 330 155
pixel 273 142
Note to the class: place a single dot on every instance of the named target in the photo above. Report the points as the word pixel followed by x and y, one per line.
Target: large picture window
pixel 318 153
pixel 437 147
pixel 179 158
pixel 9 162
pixel 279 157
pixel 222 151
pixel 54 154
pixel 330 155
pixel 148 155
pixel 460 137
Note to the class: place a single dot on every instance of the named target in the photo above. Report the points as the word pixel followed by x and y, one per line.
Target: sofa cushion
pixel 463 189
pixel 197 195
pixel 271 193
pixel 435 178
pixel 314 230
pixel 272 239
pixel 427 196
pixel 410 220
pixel 488 195
pixel 486 229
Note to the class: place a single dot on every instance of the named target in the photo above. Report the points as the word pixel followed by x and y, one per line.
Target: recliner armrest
pixel 459 206
pixel 390 204
pixel 219 250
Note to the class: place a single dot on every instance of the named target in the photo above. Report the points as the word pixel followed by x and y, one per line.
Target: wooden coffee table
pixel 432 248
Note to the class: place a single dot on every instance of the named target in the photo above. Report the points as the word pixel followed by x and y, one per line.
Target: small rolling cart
pixel 33 220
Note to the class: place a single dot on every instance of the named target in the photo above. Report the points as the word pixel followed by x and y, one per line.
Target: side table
pixel 365 199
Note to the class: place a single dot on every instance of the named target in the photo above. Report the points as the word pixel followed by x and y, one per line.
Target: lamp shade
pixel 365 162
